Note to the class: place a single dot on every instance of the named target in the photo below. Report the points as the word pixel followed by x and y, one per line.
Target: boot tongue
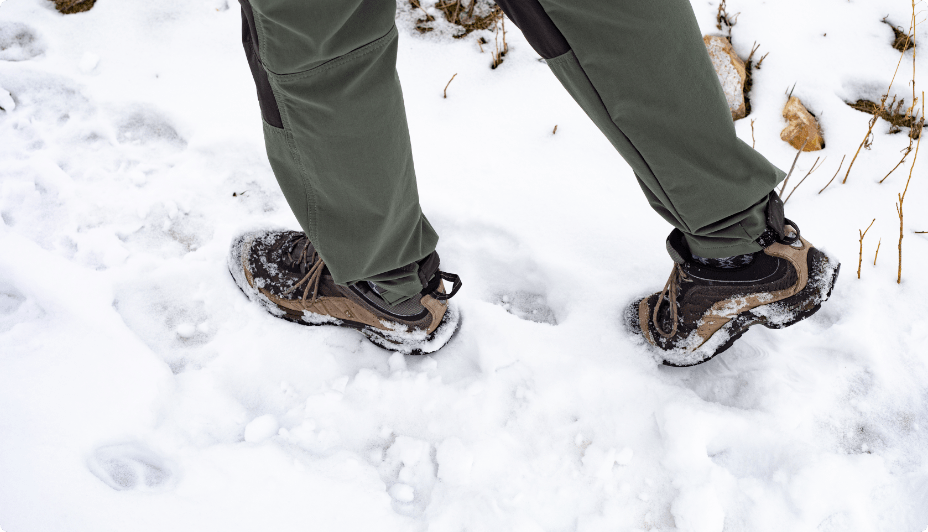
pixel 299 255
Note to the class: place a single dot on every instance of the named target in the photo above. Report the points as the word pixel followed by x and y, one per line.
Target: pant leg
pixel 640 70
pixel 336 133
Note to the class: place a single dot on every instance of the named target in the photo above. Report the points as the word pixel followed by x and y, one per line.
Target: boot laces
pixel 677 276
pixel 311 264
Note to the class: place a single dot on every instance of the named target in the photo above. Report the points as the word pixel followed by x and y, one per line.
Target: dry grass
pixel 902 199
pixel 500 52
pixel 815 166
pixel 834 176
pixel 69 7
pixel 868 138
pixel 902 40
pixel 897 116
pixel 723 21
pixel 449 83
pixel 860 261
pixel 470 17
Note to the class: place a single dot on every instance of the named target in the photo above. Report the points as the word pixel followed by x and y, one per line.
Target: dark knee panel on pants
pixel 270 112
pixel 537 27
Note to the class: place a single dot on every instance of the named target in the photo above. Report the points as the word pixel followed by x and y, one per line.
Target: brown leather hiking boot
pixel 282 271
pixel 703 310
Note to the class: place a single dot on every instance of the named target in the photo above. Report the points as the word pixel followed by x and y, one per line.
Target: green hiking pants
pixel 337 138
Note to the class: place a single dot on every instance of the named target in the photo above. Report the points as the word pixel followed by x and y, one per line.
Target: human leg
pixel 641 72
pixel 337 138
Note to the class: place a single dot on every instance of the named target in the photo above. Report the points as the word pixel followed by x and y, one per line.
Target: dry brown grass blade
pixel 860 261
pixel 836 174
pixel 449 83
pixel 793 167
pixel 906 151
pixel 761 60
pixel 814 168
pixel 882 103
pixel 905 190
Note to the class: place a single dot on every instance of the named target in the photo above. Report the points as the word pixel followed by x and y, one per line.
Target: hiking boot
pixel 702 309
pixel 282 271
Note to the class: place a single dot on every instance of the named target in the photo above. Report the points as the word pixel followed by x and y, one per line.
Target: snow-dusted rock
pixel 731 72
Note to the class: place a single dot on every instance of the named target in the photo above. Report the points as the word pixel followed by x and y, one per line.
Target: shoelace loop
pixel 432 288
pixel 677 276
pixel 305 260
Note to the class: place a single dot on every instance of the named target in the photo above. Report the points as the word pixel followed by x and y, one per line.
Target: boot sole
pixel 408 343
pixel 796 308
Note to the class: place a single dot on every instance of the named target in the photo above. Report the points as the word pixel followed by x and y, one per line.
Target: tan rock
pixel 802 127
pixel 731 72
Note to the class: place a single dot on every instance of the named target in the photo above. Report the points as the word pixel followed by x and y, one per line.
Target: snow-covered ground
pixel 139 389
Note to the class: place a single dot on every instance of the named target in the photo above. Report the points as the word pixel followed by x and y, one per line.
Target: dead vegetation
pixel 477 15
pixel 500 52
pixel 860 260
pixel 836 174
pixel 902 40
pixel 724 22
pixel 893 111
pixel 898 116
pixel 815 166
pixel 902 199
pixel 69 7
pixel 448 84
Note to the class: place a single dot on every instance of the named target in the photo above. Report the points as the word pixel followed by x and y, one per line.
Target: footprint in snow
pixel 130 466
pixel 527 306
pixel 494 261
pixel 172 324
pixel 19 42
pixel 408 469
pixel 15 307
pixel 142 125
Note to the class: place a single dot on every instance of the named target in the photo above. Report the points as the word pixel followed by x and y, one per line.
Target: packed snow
pixel 141 390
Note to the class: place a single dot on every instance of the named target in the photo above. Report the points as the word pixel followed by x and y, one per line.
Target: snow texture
pixel 139 389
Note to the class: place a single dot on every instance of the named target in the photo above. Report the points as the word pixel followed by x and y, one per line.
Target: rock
pixel 69 7
pixel 802 126
pixel 732 74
